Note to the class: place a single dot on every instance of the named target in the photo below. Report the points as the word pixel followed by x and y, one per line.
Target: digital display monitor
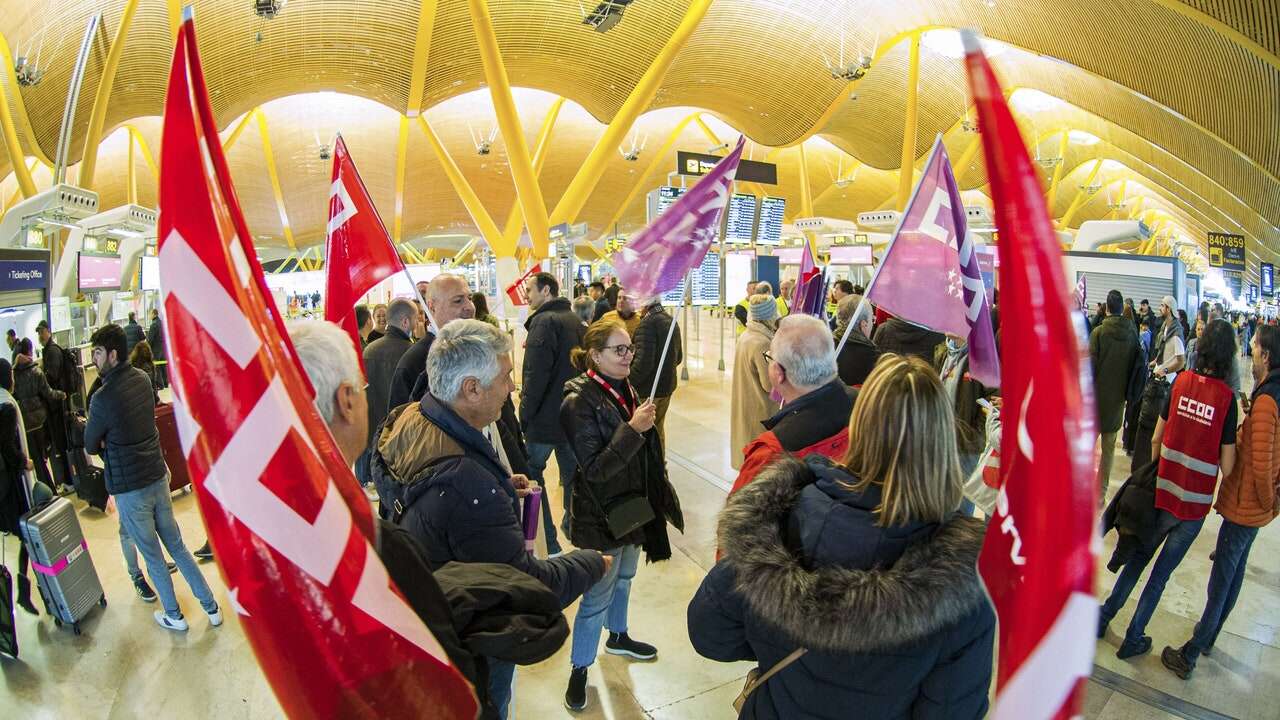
pixel 740 226
pixel 789 256
pixel 150 269
pixel 99 272
pixel 661 199
pixel 771 212
pixel 851 255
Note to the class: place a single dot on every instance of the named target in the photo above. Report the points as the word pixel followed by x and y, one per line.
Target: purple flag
pixel 930 274
pixel 657 258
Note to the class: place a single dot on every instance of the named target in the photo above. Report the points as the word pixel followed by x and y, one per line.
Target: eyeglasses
pixel 769 356
pixel 621 350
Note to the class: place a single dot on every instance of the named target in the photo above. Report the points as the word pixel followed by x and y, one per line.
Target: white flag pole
pixel 430 318
pixel 937 143
pixel 662 359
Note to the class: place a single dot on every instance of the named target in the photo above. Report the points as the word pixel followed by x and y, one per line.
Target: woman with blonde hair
pixel 854 586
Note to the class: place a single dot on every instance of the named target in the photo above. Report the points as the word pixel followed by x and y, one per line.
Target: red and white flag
pixel 1037 560
pixel 288 524
pixel 515 290
pixel 358 251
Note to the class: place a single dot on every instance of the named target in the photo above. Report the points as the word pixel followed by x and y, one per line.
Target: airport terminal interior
pixel 497 139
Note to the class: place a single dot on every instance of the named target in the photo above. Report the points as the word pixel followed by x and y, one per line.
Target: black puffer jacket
pixel 134 334
pixel 554 331
pixel 651 335
pixel 380 359
pixel 155 338
pixel 896 335
pixel 856 359
pixel 34 394
pixel 122 429
pixel 894 619
pixel 614 463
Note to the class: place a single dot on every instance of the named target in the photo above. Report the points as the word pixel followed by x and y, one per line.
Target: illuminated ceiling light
pixel 1029 100
pixel 1080 137
pixel 947 43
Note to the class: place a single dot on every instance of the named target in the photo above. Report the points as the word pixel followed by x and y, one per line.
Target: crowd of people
pixel 855 494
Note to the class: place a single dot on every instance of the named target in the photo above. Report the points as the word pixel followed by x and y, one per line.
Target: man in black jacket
pixel 896 335
pixel 651 335
pixel 380 360
pixel 122 429
pixel 859 354
pixel 447 485
pixel 133 332
pixel 448 298
pixel 554 331
pixel 596 291
pixel 53 364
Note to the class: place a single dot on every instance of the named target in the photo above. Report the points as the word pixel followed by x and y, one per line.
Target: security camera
pixel 484 148
pixel 325 152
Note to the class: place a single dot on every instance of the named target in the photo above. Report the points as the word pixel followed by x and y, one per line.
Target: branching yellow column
pixel 1057 170
pixel 806 200
pixel 575 196
pixel 515 218
pixel 239 128
pixel 89 164
pixel 907 173
pixel 17 158
pixel 1081 195
pixel 526 181
pixel 488 229
pixel 19 106
pixel 143 148
pixel 662 155
pixel 270 158
pixel 132 174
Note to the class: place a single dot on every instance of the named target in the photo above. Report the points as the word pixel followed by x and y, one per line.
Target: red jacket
pixel 816 422
pixel 766 448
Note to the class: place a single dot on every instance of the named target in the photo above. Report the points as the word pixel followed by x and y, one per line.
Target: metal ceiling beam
pixel 515 218
pixel 421 50
pixel 484 222
pixel 907 171
pixel 97 116
pixel 24 120
pixel 588 176
pixel 658 157
pixel 504 105
pixel 274 175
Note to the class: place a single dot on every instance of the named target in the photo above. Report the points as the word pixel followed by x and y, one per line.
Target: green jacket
pixel 1112 347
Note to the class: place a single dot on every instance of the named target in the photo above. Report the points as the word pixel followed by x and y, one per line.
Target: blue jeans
pixel 147 515
pixel 130 553
pixel 502 684
pixel 1225 579
pixel 1178 537
pixel 539 453
pixel 611 593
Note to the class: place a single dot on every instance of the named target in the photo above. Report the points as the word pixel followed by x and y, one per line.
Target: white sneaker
pixel 168 623
pixel 215 617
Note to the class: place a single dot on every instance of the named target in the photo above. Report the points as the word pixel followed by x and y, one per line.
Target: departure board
pixel 771 211
pixel 705 283
pixel 661 199
pixel 740 227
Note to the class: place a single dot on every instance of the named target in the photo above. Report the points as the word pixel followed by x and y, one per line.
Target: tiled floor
pixel 123 666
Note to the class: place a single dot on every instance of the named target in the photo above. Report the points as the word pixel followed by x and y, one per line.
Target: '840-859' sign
pixel 1226 251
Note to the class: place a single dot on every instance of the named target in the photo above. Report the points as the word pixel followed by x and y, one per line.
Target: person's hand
pixel 1159 372
pixel 30 465
pixel 644 417
pixel 608 562
pixel 522 485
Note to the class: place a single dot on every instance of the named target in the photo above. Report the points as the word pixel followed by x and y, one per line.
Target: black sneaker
pixel 575 698
pixel 173 567
pixel 1177 663
pixel 205 552
pixel 1134 649
pixel 621 644
pixel 144 590
pixel 1102 627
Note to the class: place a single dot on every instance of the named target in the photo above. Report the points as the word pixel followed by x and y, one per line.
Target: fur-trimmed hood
pixel 932 585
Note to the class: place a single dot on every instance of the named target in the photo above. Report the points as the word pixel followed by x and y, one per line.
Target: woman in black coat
pixel 35 398
pixel 622 500
pixel 866 567
pixel 13 466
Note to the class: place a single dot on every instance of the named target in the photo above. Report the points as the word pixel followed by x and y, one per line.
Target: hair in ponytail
pixel 596 338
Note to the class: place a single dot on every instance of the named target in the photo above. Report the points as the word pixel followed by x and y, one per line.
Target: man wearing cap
pixel 1169 349
pixel 750 403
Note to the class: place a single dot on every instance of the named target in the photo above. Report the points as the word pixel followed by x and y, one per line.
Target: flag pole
pixel 430 318
pixel 937 142
pixel 662 359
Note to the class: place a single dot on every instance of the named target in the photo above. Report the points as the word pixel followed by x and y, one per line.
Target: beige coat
pixel 750 404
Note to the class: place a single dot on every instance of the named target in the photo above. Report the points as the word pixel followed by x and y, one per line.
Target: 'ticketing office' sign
pixel 23 275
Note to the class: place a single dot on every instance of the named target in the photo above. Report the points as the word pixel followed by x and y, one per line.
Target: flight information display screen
pixel 705 282
pixel 740 227
pixel 661 199
pixel 771 212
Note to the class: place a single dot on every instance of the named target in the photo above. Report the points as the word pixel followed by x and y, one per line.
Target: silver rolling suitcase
pixel 65 574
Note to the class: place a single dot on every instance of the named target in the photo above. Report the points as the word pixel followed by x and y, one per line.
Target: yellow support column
pixel 515 218
pixel 17 158
pixel 272 173
pixel 174 8
pixel 89 163
pixel 143 148
pixel 131 180
pixel 662 155
pixel 522 174
pixel 1115 213
pixel 1057 171
pixel 19 106
pixel 488 229
pixel 588 176
pixel 907 173
pixel 421 48
pixel 239 128
pixel 402 160
pixel 806 200
pixel 1081 195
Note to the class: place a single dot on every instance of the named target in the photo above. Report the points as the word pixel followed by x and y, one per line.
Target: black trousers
pixel 37 447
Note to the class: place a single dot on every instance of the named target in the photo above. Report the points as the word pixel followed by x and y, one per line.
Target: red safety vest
pixel 1191 448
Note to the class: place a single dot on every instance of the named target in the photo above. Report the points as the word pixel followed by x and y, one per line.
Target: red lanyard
pixel 629 407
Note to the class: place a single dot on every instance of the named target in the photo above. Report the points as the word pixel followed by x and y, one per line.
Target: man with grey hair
pixel 448 298
pixel 380 359
pixel 859 354
pixel 440 478
pixel 815 405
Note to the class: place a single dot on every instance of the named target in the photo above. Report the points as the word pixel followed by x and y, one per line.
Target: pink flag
pixel 657 258
pixel 1037 561
pixel 930 274
pixel 808 271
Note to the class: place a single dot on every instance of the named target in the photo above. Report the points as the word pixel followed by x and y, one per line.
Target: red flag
pixel 358 251
pixel 515 290
pixel 1037 560
pixel 289 527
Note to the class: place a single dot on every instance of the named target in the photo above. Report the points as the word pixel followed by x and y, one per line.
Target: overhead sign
pixel 1226 251
pixel 1254 295
pixel 1267 272
pixel 691 163
pixel 1235 283
pixel 23 275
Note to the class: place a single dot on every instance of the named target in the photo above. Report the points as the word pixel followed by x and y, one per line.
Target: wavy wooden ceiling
pixel 1186 93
